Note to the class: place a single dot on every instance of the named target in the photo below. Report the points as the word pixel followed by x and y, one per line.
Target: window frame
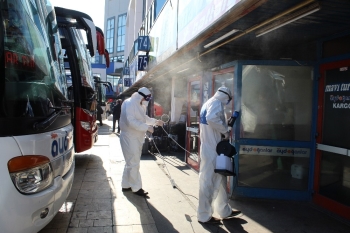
pixel 120 17
pixel 110 35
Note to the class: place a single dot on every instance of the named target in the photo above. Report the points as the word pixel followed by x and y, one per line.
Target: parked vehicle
pixel 81 83
pixel 36 134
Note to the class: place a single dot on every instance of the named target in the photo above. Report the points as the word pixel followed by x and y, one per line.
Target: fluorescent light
pixel 278 25
pixel 182 70
pixel 221 38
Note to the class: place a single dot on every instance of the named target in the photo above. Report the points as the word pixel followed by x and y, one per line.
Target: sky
pixel 93 8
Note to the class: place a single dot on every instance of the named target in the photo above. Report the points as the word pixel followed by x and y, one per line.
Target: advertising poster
pixel 336 127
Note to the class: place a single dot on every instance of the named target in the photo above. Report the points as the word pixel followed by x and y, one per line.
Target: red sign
pixel 13 59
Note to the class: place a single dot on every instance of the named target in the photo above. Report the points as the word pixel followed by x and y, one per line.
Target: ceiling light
pixel 221 38
pixel 295 16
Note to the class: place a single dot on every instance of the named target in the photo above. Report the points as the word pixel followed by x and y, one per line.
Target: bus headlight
pixel 30 174
pixel 85 125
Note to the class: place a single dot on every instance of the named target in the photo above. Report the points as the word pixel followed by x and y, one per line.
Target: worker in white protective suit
pixel 134 123
pixel 212 186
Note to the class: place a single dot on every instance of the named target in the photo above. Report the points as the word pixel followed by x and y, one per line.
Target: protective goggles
pixel 229 97
pixel 147 97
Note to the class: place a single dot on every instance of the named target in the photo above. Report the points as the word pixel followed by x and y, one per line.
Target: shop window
pixel 276 102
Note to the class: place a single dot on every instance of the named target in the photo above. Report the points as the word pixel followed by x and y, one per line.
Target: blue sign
pixel 144 43
pixel 142 62
pixel 127 82
pixel 126 71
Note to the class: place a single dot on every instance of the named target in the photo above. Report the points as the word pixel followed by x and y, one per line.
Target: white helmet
pixel 226 91
pixel 145 93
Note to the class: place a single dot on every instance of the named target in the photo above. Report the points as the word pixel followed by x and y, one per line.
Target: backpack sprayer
pixel 226 151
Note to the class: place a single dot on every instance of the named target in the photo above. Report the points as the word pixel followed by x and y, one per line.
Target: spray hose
pixel 151 139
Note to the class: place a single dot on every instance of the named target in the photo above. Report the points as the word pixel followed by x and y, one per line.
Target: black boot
pixel 141 192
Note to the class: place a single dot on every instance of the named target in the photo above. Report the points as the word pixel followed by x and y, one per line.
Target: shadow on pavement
pixel 148 213
pixel 234 225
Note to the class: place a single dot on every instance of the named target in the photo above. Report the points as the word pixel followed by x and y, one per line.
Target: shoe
pixel 233 214
pixel 141 192
pixel 213 220
pixel 126 189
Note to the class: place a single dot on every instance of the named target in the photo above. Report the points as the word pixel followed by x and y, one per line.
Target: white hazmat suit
pixel 212 186
pixel 133 124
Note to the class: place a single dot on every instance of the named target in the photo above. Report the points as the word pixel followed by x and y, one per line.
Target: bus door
pixel 78 63
pixel 101 88
pixel 332 167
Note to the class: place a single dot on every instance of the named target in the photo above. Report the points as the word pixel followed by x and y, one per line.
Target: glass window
pixel 276 102
pixel 225 80
pixel 158 5
pixel 273 167
pixel 114 80
pixel 335 177
pixel 110 35
pixel 121 32
pixel 33 81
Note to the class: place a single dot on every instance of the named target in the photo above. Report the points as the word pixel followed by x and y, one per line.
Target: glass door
pixel 332 171
pixel 192 127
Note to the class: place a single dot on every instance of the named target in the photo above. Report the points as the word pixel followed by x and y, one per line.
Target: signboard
pixel 274 151
pixel 142 62
pixel 144 43
pixel 127 82
pixel 336 129
pixel 126 71
pixel 197 15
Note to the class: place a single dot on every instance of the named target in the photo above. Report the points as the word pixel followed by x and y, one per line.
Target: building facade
pixel 116 12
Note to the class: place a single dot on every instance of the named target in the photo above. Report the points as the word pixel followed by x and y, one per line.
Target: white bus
pixel 36 134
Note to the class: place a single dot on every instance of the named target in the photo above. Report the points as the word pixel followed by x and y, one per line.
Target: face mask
pixel 145 103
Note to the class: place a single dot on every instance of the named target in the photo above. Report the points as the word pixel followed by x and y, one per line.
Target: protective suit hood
pixel 221 96
pixel 136 97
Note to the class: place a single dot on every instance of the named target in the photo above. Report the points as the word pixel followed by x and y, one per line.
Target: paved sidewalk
pixel 96 203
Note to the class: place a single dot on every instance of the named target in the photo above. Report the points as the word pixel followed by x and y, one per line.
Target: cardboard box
pixel 298 171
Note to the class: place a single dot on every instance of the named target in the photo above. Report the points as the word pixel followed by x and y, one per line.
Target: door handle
pixel 333 149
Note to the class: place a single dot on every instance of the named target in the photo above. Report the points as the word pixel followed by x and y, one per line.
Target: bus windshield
pixel 32 80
